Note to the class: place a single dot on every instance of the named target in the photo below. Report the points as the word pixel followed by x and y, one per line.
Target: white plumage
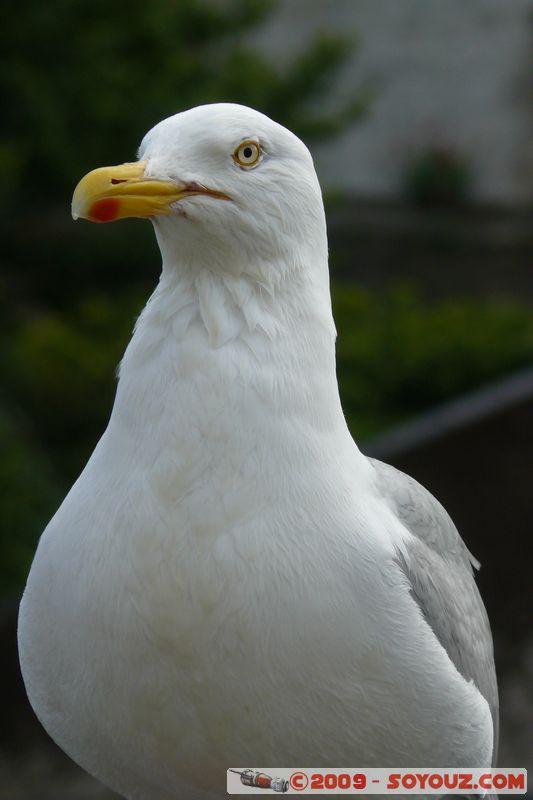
pixel 230 581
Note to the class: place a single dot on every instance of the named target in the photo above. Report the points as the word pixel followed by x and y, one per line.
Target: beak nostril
pixel 114 181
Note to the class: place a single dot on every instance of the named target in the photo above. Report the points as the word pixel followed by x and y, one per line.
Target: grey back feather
pixel 438 566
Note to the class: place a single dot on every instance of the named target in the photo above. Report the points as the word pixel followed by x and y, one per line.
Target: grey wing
pixel 438 566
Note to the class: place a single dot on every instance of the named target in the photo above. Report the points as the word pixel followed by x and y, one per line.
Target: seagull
pixel 231 580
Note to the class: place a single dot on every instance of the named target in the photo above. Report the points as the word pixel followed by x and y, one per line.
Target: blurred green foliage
pixel 398 354
pixel 29 491
pixel 438 176
pixel 82 81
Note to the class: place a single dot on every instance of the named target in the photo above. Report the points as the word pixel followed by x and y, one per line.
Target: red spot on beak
pixel 105 210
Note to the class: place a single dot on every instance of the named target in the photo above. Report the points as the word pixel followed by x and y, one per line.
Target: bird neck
pixel 210 350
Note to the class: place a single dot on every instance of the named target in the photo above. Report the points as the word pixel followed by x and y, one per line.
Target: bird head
pixel 222 183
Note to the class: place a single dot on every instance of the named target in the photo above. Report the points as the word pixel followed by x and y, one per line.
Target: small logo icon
pixel 250 777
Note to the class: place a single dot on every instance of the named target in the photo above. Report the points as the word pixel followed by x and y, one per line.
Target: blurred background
pixel 419 115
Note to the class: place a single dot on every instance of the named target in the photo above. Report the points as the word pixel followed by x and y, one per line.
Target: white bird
pixel 230 580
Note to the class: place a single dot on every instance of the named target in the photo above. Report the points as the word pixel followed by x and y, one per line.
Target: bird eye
pixel 247 154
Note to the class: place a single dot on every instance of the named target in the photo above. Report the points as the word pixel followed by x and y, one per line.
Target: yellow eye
pixel 247 154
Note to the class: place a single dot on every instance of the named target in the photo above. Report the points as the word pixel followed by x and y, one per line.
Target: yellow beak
pixel 111 193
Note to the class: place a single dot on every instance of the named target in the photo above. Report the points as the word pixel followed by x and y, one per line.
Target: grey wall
pixel 444 71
